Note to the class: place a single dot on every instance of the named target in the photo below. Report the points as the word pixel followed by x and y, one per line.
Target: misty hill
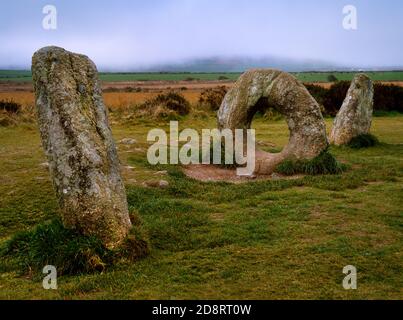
pixel 240 64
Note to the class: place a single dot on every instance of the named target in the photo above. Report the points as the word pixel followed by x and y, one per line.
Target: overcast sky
pixel 127 34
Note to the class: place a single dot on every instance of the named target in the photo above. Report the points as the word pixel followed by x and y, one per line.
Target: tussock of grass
pixel 363 141
pixel 325 163
pixel 71 253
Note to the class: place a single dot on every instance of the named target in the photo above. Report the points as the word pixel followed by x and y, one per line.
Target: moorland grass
pixel 286 238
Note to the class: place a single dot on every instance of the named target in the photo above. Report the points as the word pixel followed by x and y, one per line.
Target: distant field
pixel 117 77
pixel 15 75
pixel 25 76
pixel 323 76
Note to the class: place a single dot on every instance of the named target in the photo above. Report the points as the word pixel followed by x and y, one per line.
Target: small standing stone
pixel 355 115
pixel 78 143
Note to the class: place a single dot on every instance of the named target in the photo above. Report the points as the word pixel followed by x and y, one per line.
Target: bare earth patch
pixel 214 173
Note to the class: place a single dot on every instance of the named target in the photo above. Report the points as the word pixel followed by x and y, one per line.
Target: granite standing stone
pixel 355 115
pixel 78 143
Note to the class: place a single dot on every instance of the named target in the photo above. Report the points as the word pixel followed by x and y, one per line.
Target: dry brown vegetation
pixel 211 98
pixel 121 104
pixel 123 98
pixel 112 99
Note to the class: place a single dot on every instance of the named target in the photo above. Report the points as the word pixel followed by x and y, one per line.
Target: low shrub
pixel 387 98
pixel 363 141
pixel 10 106
pixel 319 94
pixel 334 97
pixel 381 113
pixel 325 163
pixel 211 98
pixel 110 89
pixel 172 101
pixel 165 105
pixel 331 78
pixel 132 89
pixel 13 113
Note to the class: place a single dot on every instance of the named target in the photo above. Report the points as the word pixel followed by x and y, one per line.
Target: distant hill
pixel 240 64
pixel 222 64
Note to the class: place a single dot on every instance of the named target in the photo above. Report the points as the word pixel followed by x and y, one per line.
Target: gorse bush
pixel 12 113
pixel 331 78
pixel 325 163
pixel 10 106
pixel 319 93
pixel 363 141
pixel 387 98
pixel 173 101
pixel 165 105
pixel 335 96
pixel 211 98
pixel 70 252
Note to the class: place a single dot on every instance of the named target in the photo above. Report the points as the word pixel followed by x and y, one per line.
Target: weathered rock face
pixel 78 143
pixel 262 88
pixel 355 115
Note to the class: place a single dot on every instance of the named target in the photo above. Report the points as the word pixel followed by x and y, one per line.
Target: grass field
pixel 259 240
pixel 25 76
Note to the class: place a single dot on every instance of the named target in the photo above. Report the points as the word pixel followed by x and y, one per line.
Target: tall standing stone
pixel 78 143
pixel 355 115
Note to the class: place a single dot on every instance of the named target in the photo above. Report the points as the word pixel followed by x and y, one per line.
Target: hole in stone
pixel 272 133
